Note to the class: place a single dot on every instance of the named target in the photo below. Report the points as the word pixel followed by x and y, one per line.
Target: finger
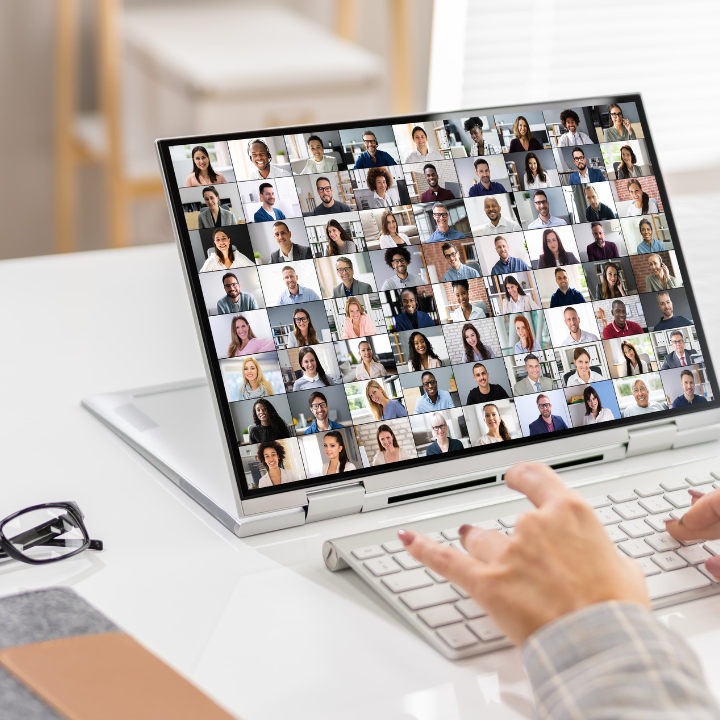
pixel 695 495
pixel 443 559
pixel 484 545
pixel 713 566
pixel 539 482
pixel 698 519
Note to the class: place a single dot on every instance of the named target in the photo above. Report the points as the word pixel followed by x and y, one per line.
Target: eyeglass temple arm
pixel 46 534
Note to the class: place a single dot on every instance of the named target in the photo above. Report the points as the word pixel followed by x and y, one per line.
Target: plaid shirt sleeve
pixel 614 660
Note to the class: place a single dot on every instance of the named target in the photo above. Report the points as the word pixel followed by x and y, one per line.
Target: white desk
pixel 259 624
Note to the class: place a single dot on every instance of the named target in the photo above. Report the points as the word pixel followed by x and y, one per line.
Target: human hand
pixel 558 560
pixel 627 124
pixel 700 522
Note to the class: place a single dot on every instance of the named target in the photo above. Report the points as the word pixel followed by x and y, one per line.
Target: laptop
pixel 398 309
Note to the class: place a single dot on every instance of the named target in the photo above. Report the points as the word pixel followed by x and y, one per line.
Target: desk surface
pixel 259 623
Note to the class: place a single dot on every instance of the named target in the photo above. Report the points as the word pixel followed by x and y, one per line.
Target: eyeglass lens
pixel 47 533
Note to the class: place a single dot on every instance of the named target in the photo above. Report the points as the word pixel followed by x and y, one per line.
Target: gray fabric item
pixel 36 616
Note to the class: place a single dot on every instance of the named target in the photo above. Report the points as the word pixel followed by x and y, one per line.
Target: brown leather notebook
pixel 107 676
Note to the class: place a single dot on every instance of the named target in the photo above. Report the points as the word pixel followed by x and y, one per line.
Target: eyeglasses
pixel 324 188
pixel 301 320
pixel 45 533
pixel 678 342
pixel 232 284
pixel 429 383
pixel 370 142
pixel 318 406
pixel 616 114
pixel 343 270
pixel 437 428
pixel 451 254
pixel 542 406
pixel 440 215
pixel 399 261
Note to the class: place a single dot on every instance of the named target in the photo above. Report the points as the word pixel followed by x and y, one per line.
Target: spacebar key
pixel 677 581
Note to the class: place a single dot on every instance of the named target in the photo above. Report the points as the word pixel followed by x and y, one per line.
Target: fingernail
pixel 406 536
pixel 696 493
pixel 463 530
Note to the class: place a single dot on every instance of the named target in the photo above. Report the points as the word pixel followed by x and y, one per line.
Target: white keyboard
pixel 458 627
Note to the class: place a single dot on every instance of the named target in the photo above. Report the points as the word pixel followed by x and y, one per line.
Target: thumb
pixel 713 566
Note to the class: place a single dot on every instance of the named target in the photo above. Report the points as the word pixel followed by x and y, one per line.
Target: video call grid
pixel 540 274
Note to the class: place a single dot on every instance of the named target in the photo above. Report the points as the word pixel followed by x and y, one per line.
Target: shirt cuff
pixel 611 659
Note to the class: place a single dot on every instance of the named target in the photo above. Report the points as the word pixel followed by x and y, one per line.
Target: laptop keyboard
pixel 633 519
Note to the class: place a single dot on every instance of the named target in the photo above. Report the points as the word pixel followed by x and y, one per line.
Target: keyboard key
pixel 407 560
pixel 657 522
pixel 630 510
pixel 441 615
pixel 436 537
pixel 671 485
pixel 695 480
pixel 459 546
pixel 656 505
pixel 409 580
pixel 622 496
pixel 715 474
pixel 691 542
pixel 486 629
pixel 666 584
pixel 679 498
pixel 694 555
pixel 470 609
pixel 450 533
pixel 713 547
pixel 635 548
pixel 509 521
pixel 393 546
pixel 426 597
pixel 662 542
pixel 649 490
pixel 716 484
pixel 365 553
pixel 457 636
pixel 599 501
pixel 678 513
pixel 437 577
pixel 648 566
pixel 381 566
pixel 488 525
pixel 615 533
pixel 607 516
pixel 707 573
pixel 636 528
pixel 669 561
pixel 460 591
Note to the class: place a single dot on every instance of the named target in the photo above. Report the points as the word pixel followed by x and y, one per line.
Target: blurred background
pixel 88 84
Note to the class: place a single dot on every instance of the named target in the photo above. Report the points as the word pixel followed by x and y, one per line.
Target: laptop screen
pixel 377 295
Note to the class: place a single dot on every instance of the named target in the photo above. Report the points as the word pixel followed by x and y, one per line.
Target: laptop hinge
pixel 651 439
pixel 696 435
pixel 324 504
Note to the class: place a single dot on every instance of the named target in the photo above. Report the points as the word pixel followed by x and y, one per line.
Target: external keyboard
pixel 458 627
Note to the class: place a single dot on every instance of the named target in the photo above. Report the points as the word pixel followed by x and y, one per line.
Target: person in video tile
pixel 553 252
pixel 268 423
pixel 594 411
pixel 523 140
pixel 421 355
pixel 381 182
pixel 235 300
pixel 272 455
pixel 357 322
pixel 434 193
pixel 287 250
pixel 337 456
pixel 620 326
pixel 369 367
pixel 689 397
pixel 601 249
pixel 442 442
pixel 628 167
pixel 474 127
pixel 680 356
pixel 339 242
pixel 373 156
pixel 411 318
pixel 621 129
pixel 314 374
pixel 649 244
pixel 473 347
pixel 457 270
pixel 643 406
pixel 422 152
pixel 545 218
pixel 303 330
pixel 294 292
pixel 570 121
pixel 350 285
pixel 497 429
pixel 583 174
pixel 381 406
pixel 485 390
pixel 659 277
pixel 577 334
pixel 267 211
pixel 321 410
pixel 583 375
pixel 526 340
pixel 243 340
pixel 506 263
pixel 225 256
pixel 202 172
pixel 399 259
pixel 254 383
pixel 596 210
pixel 466 310
pixel 535 175
pixel 318 162
pixel 497 223
pixel 329 204
pixel 390 236
pixel 213 215
pixel 669 320
pixel 434 398
pixel 261 156
pixel 611 286
pixel 484 185
pixel 388 449
pixel 516 299
pixel 546 422
pixel 633 364
pixel 564 295
pixel 643 204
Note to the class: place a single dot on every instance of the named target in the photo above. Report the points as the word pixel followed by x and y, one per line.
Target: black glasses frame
pixel 46 534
